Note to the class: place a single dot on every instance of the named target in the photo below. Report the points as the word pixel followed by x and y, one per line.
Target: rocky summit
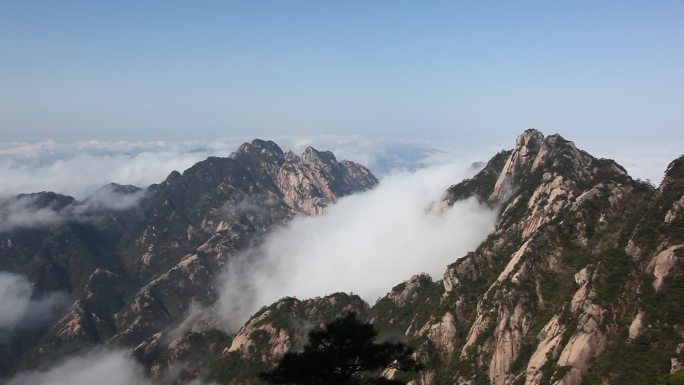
pixel 581 281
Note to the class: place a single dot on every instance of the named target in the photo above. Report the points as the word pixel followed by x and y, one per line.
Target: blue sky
pixel 469 72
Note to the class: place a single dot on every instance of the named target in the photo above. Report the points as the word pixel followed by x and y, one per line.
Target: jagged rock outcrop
pixel 544 185
pixel 272 187
pixel 258 345
pixel 316 179
pixel 555 284
pixel 136 260
pixel 286 323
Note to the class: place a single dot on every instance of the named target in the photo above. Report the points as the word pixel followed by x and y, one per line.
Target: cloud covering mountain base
pixel 18 308
pixel 102 367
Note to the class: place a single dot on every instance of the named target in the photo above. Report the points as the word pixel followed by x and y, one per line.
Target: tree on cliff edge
pixel 342 353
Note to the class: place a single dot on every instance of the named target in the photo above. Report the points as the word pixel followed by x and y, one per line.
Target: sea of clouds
pixel 80 168
pixel 365 244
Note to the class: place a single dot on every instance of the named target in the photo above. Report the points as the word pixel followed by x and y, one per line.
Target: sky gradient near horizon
pixel 469 72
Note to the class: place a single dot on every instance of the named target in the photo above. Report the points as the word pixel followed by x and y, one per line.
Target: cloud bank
pixel 80 168
pixel 31 211
pixel 18 310
pixel 365 244
pixel 24 212
pixel 646 161
pixel 100 367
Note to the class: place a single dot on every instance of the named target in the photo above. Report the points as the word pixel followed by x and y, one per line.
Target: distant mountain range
pixel 581 281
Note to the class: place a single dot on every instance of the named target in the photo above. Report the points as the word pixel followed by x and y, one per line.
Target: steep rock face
pixel 650 335
pixel 316 179
pixel 90 317
pixel 257 346
pixel 581 274
pixel 527 319
pixel 158 248
pixel 286 323
pixel 564 277
pixel 55 241
pixel 556 203
pixel 235 213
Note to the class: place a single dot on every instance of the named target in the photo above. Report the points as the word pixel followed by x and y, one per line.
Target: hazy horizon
pixel 460 73
pixel 170 83
pixel 80 168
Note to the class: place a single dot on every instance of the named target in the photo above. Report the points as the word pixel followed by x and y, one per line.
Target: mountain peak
pixel 46 199
pixel 119 188
pixel 673 173
pixel 311 155
pixel 529 137
pixel 260 148
pixel 534 158
pixel 533 140
pixel 532 148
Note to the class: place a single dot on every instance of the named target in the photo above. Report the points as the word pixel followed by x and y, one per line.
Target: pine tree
pixel 344 352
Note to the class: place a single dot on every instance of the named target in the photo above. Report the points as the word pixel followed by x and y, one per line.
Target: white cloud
pixel 82 173
pixel 80 168
pixel 100 367
pixel 19 310
pixel 26 212
pixel 365 244
pixel 109 198
pixel 647 160
pixel 15 294
pixel 381 155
